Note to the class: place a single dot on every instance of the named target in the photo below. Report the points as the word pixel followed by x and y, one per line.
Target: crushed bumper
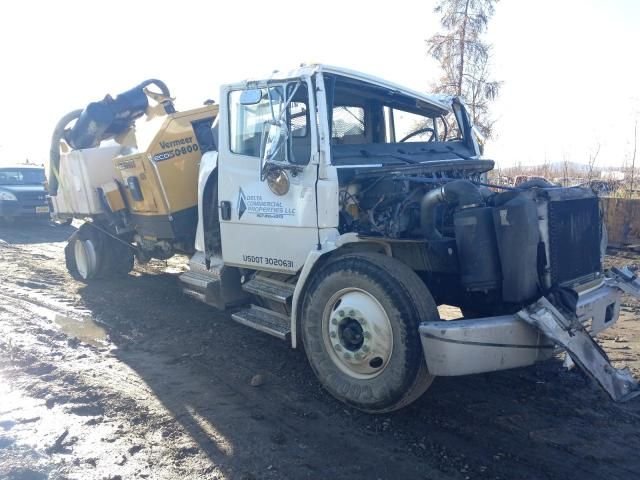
pixel 463 347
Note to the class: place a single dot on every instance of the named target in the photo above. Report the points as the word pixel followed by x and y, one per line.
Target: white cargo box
pixel 81 173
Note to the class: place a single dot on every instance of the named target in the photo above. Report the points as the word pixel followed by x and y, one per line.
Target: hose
pixel 462 193
pixel 168 104
pixel 158 83
pixel 59 131
pixel 54 152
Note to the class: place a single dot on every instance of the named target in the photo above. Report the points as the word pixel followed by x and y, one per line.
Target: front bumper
pixel 463 347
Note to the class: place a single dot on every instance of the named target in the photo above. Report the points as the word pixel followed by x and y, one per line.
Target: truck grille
pixel 574 239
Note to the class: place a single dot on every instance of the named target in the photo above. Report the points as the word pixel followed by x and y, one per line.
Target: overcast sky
pixel 570 70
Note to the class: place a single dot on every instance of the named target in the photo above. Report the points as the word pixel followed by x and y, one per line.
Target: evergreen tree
pixel 464 57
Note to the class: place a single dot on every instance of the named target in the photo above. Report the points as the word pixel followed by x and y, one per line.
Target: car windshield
pixel 22 176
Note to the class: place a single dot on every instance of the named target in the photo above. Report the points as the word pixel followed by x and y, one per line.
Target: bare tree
pixel 464 57
pixel 633 158
pixel 592 161
pixel 565 171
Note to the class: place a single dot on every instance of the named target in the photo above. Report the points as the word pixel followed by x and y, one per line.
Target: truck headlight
pixel 7 196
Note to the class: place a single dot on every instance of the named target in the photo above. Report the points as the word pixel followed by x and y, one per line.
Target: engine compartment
pixel 385 201
pixel 503 248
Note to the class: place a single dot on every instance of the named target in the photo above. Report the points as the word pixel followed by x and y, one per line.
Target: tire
pixel 91 254
pixel 120 258
pixel 374 301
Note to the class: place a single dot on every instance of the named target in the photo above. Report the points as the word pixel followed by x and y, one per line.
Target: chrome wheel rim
pixel 357 333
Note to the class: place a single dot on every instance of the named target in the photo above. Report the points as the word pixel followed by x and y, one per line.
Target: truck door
pixel 268 215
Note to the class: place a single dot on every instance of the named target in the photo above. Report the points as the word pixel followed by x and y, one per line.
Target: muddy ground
pixel 131 379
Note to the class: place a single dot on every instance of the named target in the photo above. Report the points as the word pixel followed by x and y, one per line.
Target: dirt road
pixel 131 379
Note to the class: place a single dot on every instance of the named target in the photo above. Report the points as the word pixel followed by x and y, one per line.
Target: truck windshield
pixel 22 176
pixel 373 125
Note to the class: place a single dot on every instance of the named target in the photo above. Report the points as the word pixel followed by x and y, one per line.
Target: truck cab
pixel 329 185
pixel 285 174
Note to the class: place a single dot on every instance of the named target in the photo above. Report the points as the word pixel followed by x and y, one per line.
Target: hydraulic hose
pixel 158 83
pixel 54 152
pixel 458 192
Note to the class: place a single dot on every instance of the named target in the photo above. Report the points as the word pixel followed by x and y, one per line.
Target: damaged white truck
pixel 336 211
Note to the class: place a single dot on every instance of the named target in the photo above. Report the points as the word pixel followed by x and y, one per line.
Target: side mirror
pixel 273 139
pixel 250 97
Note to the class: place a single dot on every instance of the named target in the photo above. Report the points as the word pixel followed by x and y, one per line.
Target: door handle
pixel 225 210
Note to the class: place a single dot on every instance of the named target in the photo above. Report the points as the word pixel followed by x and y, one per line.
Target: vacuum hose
pixel 111 117
pixel 54 152
pixel 159 83
pixel 457 192
pixel 101 120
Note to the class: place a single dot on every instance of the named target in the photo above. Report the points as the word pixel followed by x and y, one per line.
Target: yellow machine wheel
pixel 91 254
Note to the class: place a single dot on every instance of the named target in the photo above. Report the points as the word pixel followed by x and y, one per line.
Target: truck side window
pixel 246 122
pixel 298 124
pixel 298 119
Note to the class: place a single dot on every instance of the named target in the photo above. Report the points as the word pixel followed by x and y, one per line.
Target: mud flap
pixel 585 352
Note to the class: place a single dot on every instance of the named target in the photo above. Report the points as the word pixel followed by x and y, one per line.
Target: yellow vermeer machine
pixel 130 190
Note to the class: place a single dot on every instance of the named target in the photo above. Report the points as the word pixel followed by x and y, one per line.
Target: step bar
pixel 265 320
pixel 270 288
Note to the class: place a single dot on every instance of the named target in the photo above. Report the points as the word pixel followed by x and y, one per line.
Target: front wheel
pixel 360 331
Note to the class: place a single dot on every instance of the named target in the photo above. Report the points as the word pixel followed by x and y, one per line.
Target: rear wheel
pixel 360 331
pixel 90 253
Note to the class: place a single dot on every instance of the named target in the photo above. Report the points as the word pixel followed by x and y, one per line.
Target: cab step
pixel 218 285
pixel 265 320
pixel 270 288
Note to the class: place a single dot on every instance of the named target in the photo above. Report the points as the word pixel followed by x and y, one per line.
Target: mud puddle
pixel 86 330
pixel 73 323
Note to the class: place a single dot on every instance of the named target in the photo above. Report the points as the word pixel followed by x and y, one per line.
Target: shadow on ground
pixel 538 422
pixel 34 231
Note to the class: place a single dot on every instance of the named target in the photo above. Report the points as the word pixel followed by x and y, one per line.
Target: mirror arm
pixel 271 164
